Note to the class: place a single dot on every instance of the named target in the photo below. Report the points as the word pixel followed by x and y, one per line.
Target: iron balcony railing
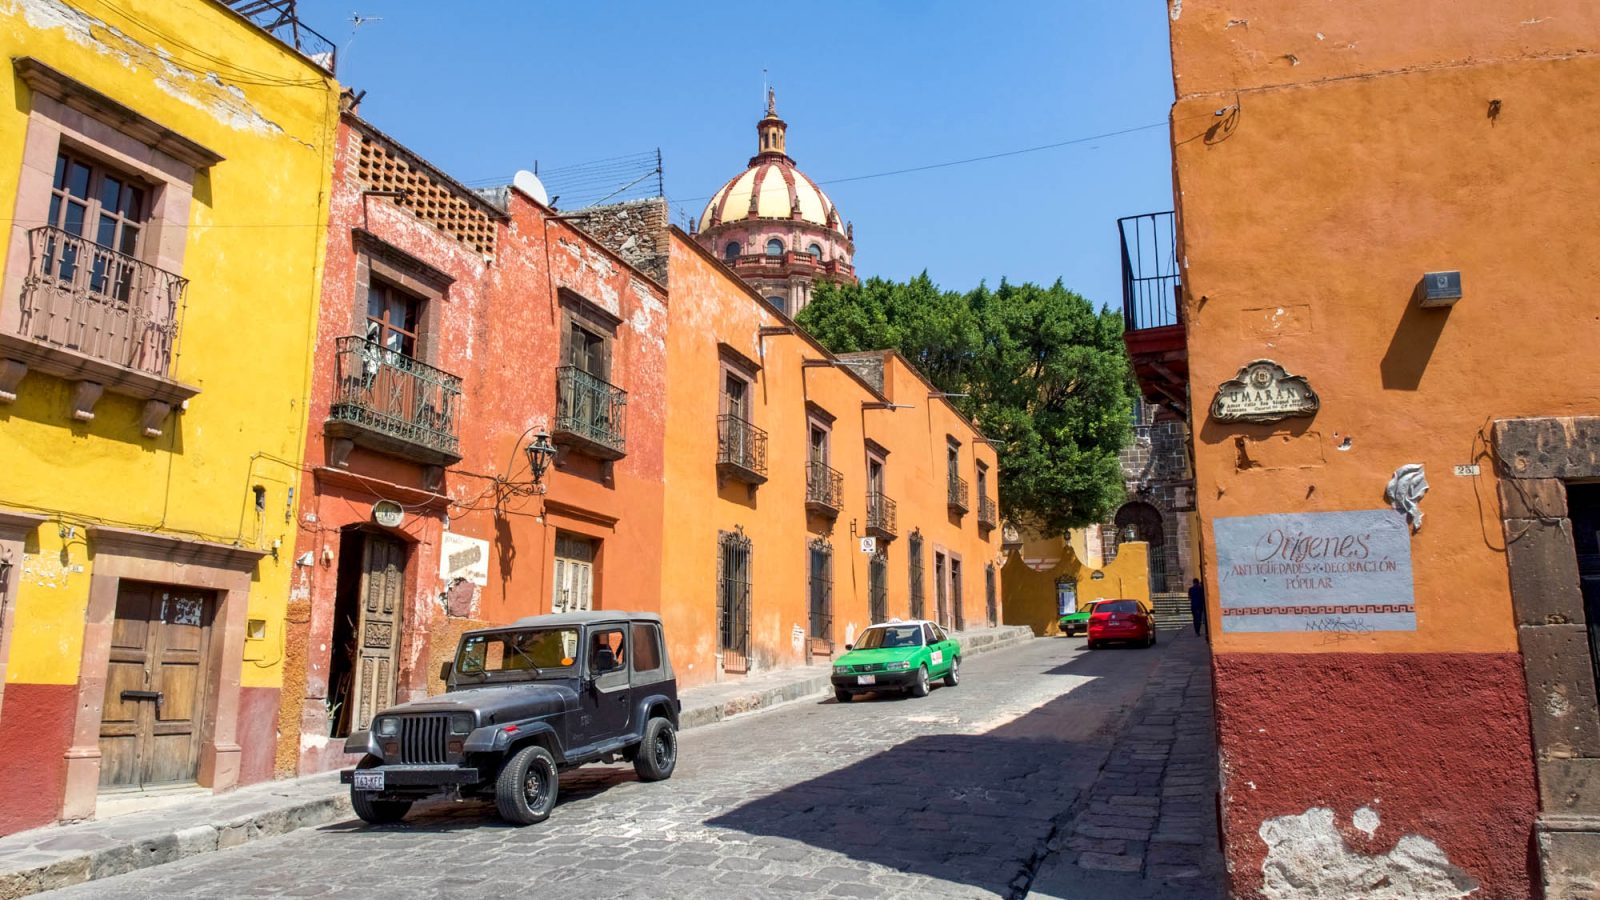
pixel 880 514
pixel 389 393
pixel 988 514
pixel 590 408
pixel 92 300
pixel 824 487
pixel 741 446
pixel 958 493
pixel 1151 285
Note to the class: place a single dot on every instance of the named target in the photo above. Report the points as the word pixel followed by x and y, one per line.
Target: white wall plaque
pixel 464 557
pixel 1264 392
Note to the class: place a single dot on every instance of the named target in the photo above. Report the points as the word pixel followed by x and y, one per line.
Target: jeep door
pixel 605 706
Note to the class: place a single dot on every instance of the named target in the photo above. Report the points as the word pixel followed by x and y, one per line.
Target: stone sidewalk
pixel 60 856
pixel 1148 826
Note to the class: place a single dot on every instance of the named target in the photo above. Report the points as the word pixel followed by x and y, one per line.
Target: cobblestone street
pixel 1050 768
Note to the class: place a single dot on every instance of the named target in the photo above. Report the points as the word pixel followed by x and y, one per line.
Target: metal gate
pixel 733 598
pixel 991 598
pixel 914 553
pixel 878 587
pixel 819 566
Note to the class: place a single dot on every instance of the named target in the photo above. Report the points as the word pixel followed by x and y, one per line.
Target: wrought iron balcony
pixel 1152 308
pixel 958 494
pixel 589 414
pixel 741 450
pixel 824 489
pixel 880 515
pixel 389 402
pixel 988 513
pixel 92 300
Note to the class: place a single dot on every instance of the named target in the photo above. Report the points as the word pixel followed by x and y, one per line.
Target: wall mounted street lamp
pixel 540 452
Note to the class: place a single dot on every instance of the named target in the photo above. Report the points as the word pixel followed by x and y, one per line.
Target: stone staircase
pixel 1172 610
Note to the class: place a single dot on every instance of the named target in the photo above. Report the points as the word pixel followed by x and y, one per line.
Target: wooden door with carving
pixel 383 575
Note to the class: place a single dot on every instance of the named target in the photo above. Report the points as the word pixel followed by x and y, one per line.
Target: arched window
pixel 731 251
pixel 780 303
pixel 815 250
pixel 774 247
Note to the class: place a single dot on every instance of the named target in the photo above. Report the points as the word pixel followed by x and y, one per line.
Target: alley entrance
pixel 366 628
pixel 156 686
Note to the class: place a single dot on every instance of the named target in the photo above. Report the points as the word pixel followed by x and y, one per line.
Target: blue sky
pixel 485 88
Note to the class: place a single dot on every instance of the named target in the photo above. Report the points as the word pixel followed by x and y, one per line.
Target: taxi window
pixel 928 634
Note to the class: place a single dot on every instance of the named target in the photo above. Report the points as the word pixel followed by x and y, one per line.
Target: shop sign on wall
pixel 1340 573
pixel 464 557
pixel 1264 392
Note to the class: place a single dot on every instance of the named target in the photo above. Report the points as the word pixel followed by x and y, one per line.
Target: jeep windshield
pixel 518 655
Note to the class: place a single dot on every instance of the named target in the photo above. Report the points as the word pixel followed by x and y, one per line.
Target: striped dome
pixel 772 188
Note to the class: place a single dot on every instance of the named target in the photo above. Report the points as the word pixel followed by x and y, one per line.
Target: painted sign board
pixel 464 557
pixel 1332 572
pixel 869 545
pixel 1264 392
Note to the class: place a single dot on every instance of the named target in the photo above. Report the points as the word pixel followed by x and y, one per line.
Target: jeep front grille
pixel 422 739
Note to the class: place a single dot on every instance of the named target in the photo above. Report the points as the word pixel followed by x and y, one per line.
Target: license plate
pixel 866 679
pixel 369 781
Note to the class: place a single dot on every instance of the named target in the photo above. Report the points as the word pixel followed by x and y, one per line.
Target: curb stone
pixel 42 869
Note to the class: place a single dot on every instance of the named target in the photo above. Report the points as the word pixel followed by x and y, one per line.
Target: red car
pixel 1121 620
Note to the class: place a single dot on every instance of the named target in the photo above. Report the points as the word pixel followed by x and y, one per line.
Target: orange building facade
pixel 1395 464
pixel 455 330
pixel 782 459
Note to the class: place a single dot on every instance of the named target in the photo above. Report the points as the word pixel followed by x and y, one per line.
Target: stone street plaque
pixel 1264 392
pixel 1338 573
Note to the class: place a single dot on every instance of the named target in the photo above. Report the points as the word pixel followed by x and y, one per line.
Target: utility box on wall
pixel 1439 289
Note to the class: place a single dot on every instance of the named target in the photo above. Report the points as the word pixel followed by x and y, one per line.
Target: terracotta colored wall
pixel 497 327
pixel 1362 154
pixel 710 306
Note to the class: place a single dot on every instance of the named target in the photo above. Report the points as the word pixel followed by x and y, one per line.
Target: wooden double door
pixel 157 685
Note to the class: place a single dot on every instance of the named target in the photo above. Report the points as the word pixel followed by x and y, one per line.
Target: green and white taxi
pixel 897 656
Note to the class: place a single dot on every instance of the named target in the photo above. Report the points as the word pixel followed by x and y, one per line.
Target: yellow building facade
pixel 1046 576
pixel 165 165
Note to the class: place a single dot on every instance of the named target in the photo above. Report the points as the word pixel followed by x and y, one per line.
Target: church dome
pixel 771 187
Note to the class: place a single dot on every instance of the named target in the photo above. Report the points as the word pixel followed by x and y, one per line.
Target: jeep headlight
pixel 902 664
pixel 841 670
pixel 387 726
pixel 461 723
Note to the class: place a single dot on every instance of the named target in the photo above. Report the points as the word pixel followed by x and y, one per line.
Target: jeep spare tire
pixel 525 792
pixel 657 755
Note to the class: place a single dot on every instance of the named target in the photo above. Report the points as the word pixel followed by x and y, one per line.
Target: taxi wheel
pixel 842 695
pixel 953 677
pixel 919 688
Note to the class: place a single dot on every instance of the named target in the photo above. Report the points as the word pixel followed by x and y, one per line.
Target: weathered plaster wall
pixel 1360 145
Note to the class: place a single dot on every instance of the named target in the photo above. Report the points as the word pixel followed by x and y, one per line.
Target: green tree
pixel 1047 379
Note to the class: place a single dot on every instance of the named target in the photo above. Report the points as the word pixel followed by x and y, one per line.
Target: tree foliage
pixel 1047 379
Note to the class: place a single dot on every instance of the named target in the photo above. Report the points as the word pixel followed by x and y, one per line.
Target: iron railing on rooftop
pixel 92 300
pixel 392 394
pixel 1151 285
pixel 281 19
pixel 741 444
pixel 590 408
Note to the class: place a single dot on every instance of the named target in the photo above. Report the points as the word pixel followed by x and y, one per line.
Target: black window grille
pixel 914 560
pixel 733 591
pixel 955 596
pixel 819 555
pixel 990 596
pixel 941 591
pixel 878 587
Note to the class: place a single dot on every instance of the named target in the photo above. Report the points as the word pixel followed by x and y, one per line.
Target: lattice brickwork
pixel 434 202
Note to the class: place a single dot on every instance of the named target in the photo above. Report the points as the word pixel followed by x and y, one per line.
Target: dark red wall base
pixel 258 733
pixel 35 731
pixel 1437 744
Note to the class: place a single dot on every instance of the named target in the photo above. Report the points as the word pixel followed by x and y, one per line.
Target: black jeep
pixel 523 702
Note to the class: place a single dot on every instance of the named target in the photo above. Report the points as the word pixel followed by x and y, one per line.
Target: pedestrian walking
pixel 1197 605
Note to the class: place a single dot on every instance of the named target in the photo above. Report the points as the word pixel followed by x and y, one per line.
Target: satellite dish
pixel 529 184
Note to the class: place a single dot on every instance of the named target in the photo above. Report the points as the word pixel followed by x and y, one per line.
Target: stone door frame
pixel 142 556
pixel 1537 458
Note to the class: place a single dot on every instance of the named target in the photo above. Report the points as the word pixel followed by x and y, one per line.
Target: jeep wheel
pixel 919 687
pixel 526 790
pixel 842 695
pixel 378 812
pixel 658 752
pixel 953 677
